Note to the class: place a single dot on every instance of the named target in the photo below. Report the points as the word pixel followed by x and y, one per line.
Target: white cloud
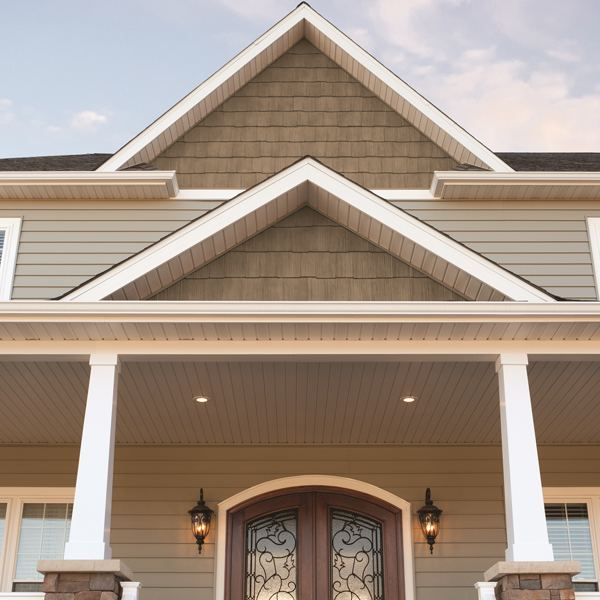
pixel 256 10
pixel 87 121
pixel 6 114
pixel 54 129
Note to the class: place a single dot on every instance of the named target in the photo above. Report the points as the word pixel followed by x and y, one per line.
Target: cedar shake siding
pixel 307 256
pixel 304 104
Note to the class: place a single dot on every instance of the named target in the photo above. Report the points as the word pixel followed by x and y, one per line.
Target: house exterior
pixel 373 303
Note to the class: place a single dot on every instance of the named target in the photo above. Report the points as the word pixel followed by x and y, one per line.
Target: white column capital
pixel 504 360
pixel 105 360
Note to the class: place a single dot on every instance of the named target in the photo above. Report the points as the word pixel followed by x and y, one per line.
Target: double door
pixel 315 544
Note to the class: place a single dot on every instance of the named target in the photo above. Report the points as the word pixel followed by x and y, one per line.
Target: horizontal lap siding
pixel 156 485
pixel 64 243
pixel 546 242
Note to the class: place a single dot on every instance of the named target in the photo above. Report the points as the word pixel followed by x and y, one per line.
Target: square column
pixel 90 525
pixel 525 517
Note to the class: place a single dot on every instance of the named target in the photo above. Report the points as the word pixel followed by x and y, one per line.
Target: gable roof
pixel 308 182
pixel 301 23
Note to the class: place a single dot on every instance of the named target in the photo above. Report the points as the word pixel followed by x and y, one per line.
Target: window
pixel 34 524
pixel 572 517
pixel 10 230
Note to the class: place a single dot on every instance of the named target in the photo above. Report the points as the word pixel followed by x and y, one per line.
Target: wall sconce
pixel 201 516
pixel 429 518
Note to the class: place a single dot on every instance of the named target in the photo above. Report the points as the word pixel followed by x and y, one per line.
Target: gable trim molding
pixel 308 182
pixel 304 22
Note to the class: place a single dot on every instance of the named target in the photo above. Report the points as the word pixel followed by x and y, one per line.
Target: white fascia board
pixel 304 12
pixel 94 179
pixel 520 178
pixel 404 194
pixel 224 194
pixel 202 91
pixel 308 170
pixel 181 311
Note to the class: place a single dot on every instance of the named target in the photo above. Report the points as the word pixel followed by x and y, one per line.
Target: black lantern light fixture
pixel 429 518
pixel 201 516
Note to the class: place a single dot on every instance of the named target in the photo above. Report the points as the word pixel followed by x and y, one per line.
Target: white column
pixel 90 526
pixel 525 519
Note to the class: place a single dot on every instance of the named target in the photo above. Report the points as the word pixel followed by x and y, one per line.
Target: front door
pixel 315 544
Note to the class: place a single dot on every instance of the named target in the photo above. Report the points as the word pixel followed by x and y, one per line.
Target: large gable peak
pixel 305 23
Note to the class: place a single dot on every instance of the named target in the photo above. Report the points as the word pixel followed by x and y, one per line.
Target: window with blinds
pixel 570 535
pixel 43 534
pixel 2 237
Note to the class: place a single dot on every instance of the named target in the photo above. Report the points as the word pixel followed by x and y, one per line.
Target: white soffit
pixel 159 185
pixel 308 182
pixel 461 185
pixel 304 22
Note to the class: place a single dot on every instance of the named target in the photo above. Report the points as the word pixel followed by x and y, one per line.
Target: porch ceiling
pixel 277 402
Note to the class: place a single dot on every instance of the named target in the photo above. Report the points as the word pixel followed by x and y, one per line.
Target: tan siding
pixel 307 256
pixel 156 485
pixel 65 242
pixel 304 104
pixel 544 241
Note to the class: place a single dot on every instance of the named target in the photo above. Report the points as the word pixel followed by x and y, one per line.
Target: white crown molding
pixel 360 210
pixel 536 185
pixel 88 185
pixel 304 22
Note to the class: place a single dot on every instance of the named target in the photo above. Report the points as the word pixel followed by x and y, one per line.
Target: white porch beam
pixel 525 518
pixel 90 525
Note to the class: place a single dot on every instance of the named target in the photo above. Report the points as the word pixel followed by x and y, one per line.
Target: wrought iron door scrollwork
pixel 356 557
pixel 271 561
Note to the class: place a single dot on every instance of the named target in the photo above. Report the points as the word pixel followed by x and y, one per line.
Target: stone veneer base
pixel 83 579
pixel 533 580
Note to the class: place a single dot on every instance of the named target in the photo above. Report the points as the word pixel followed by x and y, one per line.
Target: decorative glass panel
pixel 271 557
pixel 44 532
pixel 570 536
pixel 356 557
pixel 2 523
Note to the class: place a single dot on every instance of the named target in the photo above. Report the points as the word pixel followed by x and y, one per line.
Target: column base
pixel 83 579
pixel 544 580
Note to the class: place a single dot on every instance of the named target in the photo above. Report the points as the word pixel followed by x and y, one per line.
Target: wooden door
pixel 315 544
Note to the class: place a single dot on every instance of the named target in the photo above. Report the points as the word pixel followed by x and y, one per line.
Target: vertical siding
pixel 156 485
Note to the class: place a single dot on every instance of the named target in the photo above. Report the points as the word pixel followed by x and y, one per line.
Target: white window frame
pixel 8 264
pixel 15 498
pixel 591 496
pixel 593 226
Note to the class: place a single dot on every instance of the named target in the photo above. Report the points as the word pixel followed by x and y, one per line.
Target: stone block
pixel 50 582
pixel 102 581
pixel 528 595
pixel 75 576
pixel 89 595
pixel 109 596
pixel 567 594
pixel 556 581
pixel 60 596
pixel 501 595
pixel 72 586
pixel 531 584
pixel 508 583
pixel 529 576
pixel 554 594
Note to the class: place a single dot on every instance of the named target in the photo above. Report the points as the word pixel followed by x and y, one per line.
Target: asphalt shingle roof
pixel 67 162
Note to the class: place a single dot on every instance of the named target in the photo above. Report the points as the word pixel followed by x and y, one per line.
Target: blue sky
pixel 82 76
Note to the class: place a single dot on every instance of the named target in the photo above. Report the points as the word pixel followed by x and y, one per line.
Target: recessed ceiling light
pixel 409 398
pixel 201 398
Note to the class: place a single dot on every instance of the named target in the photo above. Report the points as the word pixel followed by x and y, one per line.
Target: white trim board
pixel 308 182
pixel 305 22
pixel 593 225
pixel 315 480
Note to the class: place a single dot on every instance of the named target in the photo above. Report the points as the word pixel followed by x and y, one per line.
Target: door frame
pixel 343 483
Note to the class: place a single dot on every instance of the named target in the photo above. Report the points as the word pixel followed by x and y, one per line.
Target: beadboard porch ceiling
pixel 312 402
